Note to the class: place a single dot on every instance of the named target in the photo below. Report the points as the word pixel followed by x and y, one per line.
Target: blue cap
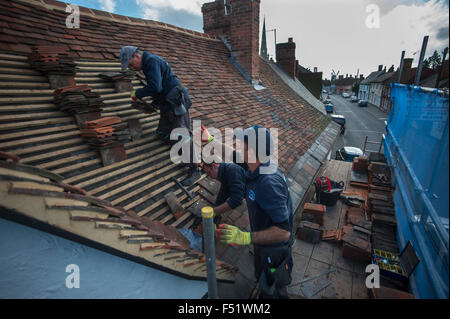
pixel 256 131
pixel 125 55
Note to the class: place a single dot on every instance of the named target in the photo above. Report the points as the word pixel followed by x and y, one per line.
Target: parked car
pixel 354 99
pixel 348 153
pixel 329 108
pixel 345 95
pixel 339 119
pixel 362 103
pixel 328 100
pixel 324 92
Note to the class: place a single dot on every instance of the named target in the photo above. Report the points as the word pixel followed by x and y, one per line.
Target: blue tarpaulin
pixel 416 147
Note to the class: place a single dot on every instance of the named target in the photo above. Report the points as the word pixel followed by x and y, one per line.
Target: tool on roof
pixel 182 187
pixel 143 106
pixel 175 207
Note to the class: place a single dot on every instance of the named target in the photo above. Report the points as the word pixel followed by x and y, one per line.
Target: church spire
pixel 264 54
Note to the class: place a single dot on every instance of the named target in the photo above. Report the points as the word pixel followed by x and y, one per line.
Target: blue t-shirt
pixel 232 189
pixel 268 200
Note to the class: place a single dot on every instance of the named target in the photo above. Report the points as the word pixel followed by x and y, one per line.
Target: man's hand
pixel 133 95
pixel 206 137
pixel 232 235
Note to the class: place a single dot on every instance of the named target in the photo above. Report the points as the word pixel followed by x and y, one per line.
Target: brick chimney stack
pixel 286 57
pixel 407 64
pixel 238 21
pixel 380 67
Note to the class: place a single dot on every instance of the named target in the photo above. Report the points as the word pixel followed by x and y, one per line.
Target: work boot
pixel 163 137
pixel 193 176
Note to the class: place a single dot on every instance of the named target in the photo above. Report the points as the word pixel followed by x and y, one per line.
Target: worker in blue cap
pixel 270 213
pixel 168 94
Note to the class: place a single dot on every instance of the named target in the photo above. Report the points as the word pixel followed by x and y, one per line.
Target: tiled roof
pixel 34 129
pixel 38 197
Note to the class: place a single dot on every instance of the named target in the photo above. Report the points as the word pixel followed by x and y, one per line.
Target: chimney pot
pixel 290 40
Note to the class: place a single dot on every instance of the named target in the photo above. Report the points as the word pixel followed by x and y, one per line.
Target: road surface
pixel 360 122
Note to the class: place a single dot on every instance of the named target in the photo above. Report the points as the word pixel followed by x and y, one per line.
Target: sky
pixel 347 36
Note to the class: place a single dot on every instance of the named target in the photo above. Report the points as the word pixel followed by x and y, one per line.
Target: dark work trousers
pixel 169 121
pixel 280 289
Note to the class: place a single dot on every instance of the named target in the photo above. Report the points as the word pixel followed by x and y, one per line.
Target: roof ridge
pixel 108 16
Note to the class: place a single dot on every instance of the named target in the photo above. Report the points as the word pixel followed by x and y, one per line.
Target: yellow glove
pixel 233 236
pixel 133 95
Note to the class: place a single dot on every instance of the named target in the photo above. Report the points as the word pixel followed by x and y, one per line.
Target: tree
pixel 435 60
pixel 426 63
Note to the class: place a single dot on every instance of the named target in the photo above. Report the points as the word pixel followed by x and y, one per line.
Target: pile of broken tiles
pixel 52 60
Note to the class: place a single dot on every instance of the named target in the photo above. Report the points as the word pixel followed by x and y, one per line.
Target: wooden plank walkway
pixel 348 282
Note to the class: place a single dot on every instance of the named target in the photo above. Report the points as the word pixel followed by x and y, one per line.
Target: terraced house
pixel 79 219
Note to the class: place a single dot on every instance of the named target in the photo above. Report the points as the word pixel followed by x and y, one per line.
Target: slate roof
pixel 372 76
pixel 42 136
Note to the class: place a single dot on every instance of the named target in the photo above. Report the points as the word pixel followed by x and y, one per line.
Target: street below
pixel 360 122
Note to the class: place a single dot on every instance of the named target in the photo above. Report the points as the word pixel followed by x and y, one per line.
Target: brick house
pixel 287 61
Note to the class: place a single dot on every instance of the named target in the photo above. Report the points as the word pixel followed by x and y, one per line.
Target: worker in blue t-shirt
pixel 271 217
pixel 232 189
pixel 168 95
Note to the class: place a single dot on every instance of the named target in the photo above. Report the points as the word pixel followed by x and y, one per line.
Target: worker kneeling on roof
pixel 232 188
pixel 271 216
pixel 168 94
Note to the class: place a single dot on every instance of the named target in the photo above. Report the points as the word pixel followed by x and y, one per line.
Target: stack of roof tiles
pixel 52 60
pixel 381 205
pixel 77 99
pixel 116 76
pixel 105 132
